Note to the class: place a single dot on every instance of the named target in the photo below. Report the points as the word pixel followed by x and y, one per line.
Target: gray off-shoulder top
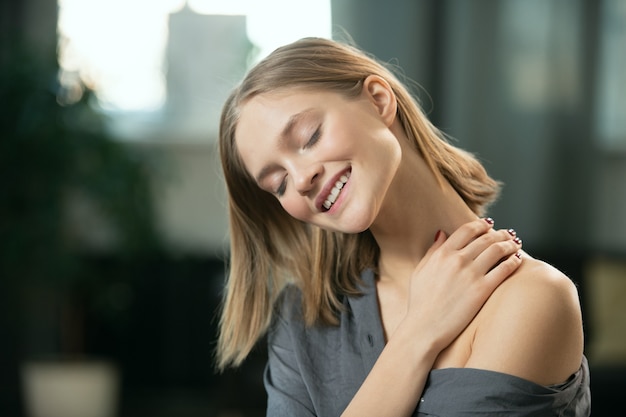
pixel 315 371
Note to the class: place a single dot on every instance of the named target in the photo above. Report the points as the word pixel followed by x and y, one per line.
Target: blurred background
pixel 113 226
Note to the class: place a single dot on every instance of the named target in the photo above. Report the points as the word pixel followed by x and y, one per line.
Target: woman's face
pixel 329 160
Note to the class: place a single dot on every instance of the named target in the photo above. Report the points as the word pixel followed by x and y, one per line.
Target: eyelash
pixel 281 188
pixel 315 137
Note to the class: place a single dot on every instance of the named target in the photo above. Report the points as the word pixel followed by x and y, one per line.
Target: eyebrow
pixel 293 121
pixel 284 134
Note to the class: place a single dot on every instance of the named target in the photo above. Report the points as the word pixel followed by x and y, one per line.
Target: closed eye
pixel 280 191
pixel 314 137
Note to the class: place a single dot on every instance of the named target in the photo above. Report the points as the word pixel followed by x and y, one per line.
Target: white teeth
pixel 332 197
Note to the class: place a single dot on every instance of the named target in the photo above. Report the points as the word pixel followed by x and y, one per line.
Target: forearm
pixel 395 383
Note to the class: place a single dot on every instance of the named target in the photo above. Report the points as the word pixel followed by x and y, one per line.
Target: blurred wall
pixel 514 83
pixel 190 197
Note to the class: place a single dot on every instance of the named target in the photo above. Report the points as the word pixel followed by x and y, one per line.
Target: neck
pixel 415 208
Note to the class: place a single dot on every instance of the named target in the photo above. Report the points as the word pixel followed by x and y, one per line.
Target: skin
pixel 521 318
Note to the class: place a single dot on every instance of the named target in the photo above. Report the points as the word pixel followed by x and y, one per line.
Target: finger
pixel 492 256
pixel 440 238
pixel 481 243
pixel 504 269
pixel 468 232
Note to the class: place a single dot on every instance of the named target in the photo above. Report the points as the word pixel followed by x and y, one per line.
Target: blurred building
pixel 206 55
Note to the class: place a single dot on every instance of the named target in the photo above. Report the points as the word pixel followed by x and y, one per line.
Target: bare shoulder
pixel 531 326
pixel 543 282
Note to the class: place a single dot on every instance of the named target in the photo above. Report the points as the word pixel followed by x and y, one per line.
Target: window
pixel 162 68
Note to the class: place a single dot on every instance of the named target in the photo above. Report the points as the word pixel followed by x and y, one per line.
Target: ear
pixel 382 96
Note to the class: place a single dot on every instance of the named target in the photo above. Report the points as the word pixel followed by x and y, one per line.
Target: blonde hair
pixel 269 248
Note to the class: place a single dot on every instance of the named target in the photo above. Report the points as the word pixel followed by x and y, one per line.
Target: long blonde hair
pixel 269 248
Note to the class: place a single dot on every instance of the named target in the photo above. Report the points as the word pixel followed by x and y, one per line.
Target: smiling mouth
pixel 335 191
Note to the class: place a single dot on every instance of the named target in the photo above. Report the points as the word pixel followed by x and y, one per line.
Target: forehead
pixel 269 112
pixel 263 117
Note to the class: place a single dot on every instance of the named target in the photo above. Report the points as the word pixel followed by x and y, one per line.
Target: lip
pixel 321 197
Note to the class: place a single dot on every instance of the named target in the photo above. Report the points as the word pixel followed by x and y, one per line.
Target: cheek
pixel 296 207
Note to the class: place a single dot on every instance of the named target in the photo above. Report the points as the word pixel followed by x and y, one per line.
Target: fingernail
pixel 517 240
pixel 437 235
pixel 518 255
pixel 489 220
pixel 512 232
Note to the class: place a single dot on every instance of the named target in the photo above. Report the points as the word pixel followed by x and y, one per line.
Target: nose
pixel 305 177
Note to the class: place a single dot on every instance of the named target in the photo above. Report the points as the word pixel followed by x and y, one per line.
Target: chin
pixel 356 224
pixel 348 231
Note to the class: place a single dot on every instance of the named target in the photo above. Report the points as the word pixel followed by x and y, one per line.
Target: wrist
pixel 419 344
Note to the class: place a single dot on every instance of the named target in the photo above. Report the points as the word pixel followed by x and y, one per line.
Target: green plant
pixel 55 155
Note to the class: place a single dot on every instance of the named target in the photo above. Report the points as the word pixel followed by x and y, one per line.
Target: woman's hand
pixel 456 276
pixel 448 287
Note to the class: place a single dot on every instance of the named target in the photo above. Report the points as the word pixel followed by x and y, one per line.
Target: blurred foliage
pixel 54 154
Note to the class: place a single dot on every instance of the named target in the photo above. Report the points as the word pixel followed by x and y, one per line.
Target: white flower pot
pixel 70 388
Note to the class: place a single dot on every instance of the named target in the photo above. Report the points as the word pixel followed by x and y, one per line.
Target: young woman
pixel 357 245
